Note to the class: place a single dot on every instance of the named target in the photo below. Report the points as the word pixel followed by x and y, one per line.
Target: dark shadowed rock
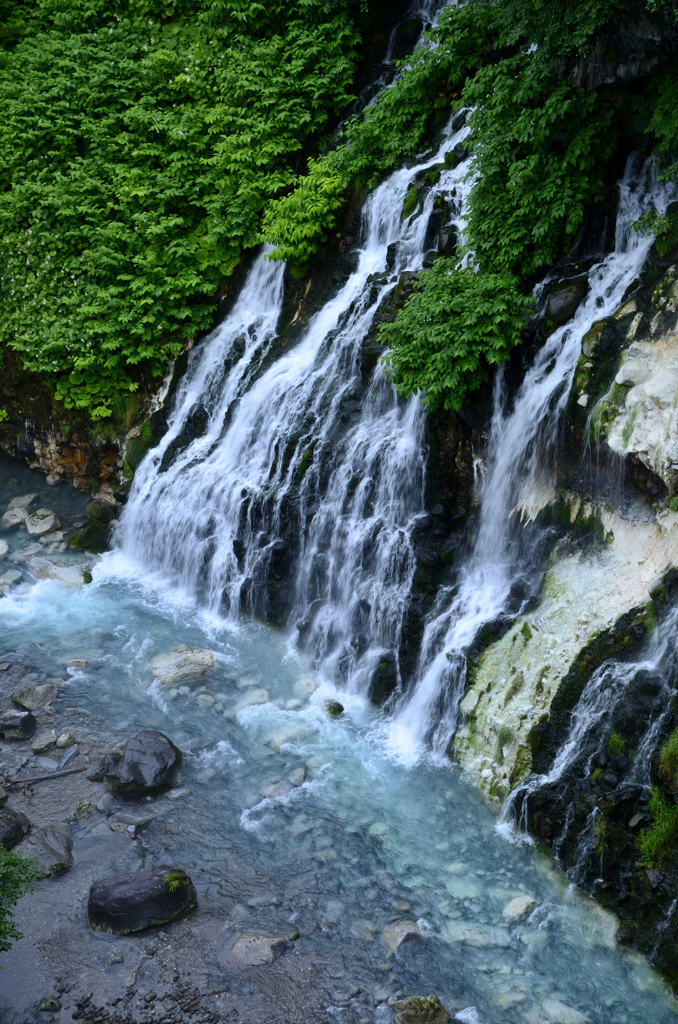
pixel 334 708
pixel 149 763
pixel 563 302
pixel 129 903
pixel 52 847
pixel 17 725
pixel 98 772
pixel 14 826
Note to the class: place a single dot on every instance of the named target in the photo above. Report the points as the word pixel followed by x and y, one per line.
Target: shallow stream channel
pixel 370 881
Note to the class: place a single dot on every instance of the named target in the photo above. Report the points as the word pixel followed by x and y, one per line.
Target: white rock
pixel 181 663
pixel 14 517
pixel 67 739
pixel 4 548
pixel 45 569
pixel 559 1013
pixel 583 400
pixel 41 522
pixel 635 371
pixel 663 386
pixel 250 700
pixel 519 908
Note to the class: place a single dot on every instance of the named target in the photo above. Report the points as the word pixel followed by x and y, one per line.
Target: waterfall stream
pixel 517 471
pixel 292 463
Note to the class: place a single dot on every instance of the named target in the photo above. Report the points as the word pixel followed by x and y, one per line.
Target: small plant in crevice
pixel 616 744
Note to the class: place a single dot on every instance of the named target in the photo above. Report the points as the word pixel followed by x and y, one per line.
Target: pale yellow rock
pixel 519 908
pixel 396 935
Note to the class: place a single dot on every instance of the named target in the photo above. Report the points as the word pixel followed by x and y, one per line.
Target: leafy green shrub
pixel 456 325
pixel 540 148
pixel 138 146
pixel 388 131
pixel 17 875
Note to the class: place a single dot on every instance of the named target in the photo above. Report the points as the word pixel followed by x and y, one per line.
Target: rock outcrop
pixel 133 902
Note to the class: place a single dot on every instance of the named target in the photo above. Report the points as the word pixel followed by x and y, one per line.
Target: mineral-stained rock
pixel 42 521
pixel 420 1010
pixel 132 902
pixel 17 725
pixel 149 763
pixel 252 950
pixel 14 826
pixel 52 847
pixel 184 662
pixel 47 569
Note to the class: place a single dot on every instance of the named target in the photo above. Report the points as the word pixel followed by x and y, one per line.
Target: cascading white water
pixel 519 440
pixel 601 698
pixel 278 473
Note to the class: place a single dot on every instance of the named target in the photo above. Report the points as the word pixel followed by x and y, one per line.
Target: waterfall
pixel 521 439
pixel 289 458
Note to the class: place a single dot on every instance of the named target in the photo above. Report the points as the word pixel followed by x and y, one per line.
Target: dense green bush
pixel 456 325
pixel 17 876
pixel 138 145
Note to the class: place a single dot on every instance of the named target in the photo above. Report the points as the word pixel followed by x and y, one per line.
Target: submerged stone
pixel 31 697
pixel 559 1013
pixel 52 847
pixel 12 518
pixel 150 762
pixel 251 949
pixel 519 908
pixel 398 934
pixel 182 663
pixel 129 903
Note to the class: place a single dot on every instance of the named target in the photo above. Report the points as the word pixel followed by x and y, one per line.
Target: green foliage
pixel 138 146
pixel 17 875
pixel 174 880
pixel 541 148
pixel 659 842
pixel 390 130
pixel 673 504
pixel 456 325
pixel 616 744
pixel 668 759
pixel 558 26
pixel 4 415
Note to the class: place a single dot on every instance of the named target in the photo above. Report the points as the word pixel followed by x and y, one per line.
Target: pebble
pixel 67 739
pixel 519 908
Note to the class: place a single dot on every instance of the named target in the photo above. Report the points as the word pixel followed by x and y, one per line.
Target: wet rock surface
pixel 143 899
pixel 51 846
pixel 150 762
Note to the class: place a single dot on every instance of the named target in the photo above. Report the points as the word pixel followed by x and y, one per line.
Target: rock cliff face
pixel 62 443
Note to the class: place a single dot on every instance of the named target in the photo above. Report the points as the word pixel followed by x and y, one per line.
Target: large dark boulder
pixel 143 899
pixel 14 826
pixel 150 763
pixel 17 725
